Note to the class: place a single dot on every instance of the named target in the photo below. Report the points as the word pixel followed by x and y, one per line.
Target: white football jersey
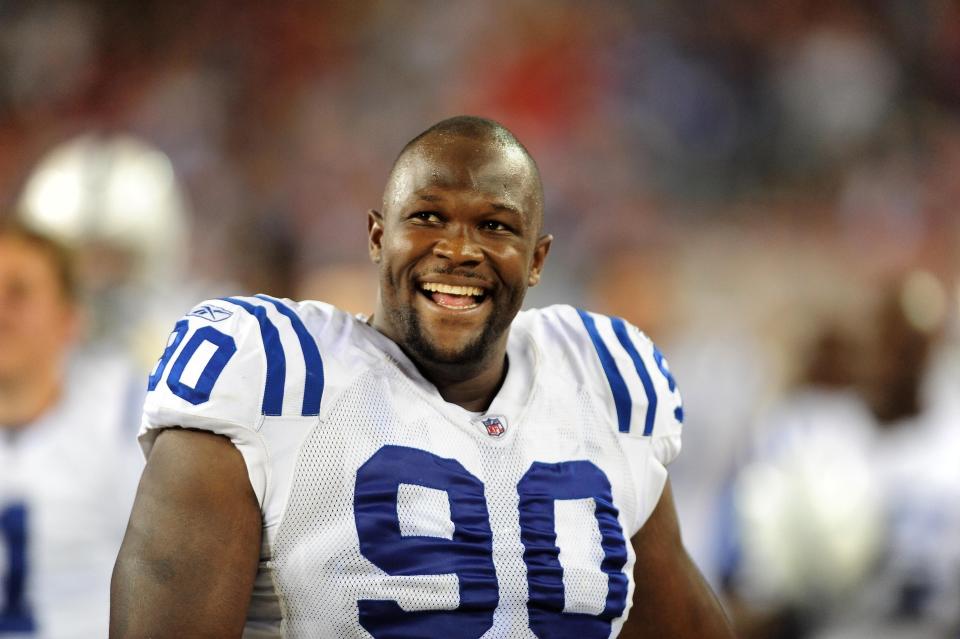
pixel 67 483
pixel 389 512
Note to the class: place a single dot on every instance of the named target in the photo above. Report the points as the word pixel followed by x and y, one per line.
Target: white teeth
pixel 452 290
pixel 459 308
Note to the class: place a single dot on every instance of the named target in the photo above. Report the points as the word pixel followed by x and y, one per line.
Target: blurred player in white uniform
pixel 850 511
pixel 68 466
pixel 445 468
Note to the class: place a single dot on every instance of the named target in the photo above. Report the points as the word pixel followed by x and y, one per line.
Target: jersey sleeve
pixel 661 410
pixel 214 375
pixel 630 374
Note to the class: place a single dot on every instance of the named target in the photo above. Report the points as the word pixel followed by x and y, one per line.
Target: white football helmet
pixel 115 201
pixel 112 191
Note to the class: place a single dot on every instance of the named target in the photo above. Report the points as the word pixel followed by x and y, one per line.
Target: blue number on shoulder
pixel 469 554
pixel 176 336
pixel 200 393
pixel 15 614
pixel 538 489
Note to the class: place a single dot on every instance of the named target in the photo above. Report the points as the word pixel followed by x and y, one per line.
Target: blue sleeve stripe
pixel 671 382
pixel 313 385
pixel 658 357
pixel 620 330
pixel 276 361
pixel 621 396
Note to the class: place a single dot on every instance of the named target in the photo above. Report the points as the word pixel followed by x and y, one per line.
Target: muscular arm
pixel 670 598
pixel 190 554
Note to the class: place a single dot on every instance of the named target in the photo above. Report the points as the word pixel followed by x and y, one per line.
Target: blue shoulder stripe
pixel 671 382
pixel 313 385
pixel 276 361
pixel 621 396
pixel 620 330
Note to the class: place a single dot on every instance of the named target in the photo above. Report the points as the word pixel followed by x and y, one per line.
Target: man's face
pixel 37 322
pixel 457 246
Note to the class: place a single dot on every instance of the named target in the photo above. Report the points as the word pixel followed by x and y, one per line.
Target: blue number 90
pixel 469 553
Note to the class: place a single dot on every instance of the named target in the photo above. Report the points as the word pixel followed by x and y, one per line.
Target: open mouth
pixel 459 298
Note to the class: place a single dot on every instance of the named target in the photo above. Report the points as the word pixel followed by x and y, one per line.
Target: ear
pixel 539 259
pixel 374 234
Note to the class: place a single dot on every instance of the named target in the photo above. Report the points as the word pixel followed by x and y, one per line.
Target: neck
pixel 471 387
pixel 22 401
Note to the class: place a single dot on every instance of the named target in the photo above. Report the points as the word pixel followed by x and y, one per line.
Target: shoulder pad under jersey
pixel 624 367
pixel 236 359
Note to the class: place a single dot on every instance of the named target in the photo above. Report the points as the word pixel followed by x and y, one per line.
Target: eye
pixel 496 225
pixel 426 216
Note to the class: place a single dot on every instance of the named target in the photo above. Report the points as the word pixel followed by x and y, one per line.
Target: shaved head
pixel 494 136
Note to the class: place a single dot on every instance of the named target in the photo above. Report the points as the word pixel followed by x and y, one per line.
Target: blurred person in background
pixel 849 512
pixel 913 589
pixel 68 462
pixel 807 507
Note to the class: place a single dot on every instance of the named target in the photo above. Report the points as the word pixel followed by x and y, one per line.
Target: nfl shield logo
pixel 494 425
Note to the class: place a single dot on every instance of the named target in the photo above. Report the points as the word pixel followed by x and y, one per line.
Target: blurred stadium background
pixel 770 190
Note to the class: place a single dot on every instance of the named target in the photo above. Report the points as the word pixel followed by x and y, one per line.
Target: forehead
pixel 491 168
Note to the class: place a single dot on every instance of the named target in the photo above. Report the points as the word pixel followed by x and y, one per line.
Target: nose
pixel 459 247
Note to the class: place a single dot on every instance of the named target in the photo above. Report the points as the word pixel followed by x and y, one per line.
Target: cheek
pixel 513 263
pixel 398 249
pixel 48 315
pixel 37 331
pixel 59 339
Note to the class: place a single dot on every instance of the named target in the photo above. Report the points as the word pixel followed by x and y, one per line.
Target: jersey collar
pixel 514 394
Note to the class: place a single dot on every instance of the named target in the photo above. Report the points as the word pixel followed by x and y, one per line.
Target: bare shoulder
pixel 181 456
pixel 191 549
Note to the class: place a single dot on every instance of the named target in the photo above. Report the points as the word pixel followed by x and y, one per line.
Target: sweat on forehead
pixel 491 137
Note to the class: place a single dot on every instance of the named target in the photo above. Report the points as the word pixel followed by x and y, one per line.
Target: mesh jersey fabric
pixel 390 512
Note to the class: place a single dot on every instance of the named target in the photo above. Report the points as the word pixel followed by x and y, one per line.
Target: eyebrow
pixel 506 208
pixel 497 206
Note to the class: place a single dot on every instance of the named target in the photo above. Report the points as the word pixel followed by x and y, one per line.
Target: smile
pixel 450 296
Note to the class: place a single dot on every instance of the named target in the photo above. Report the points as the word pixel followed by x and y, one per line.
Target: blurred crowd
pixel 770 190
pixel 282 118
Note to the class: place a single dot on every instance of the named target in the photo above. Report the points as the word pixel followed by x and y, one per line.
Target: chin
pixel 431 348
pixel 448 340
